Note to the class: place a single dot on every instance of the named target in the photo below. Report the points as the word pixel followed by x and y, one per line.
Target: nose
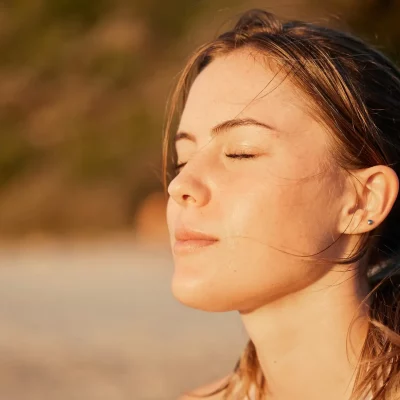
pixel 188 187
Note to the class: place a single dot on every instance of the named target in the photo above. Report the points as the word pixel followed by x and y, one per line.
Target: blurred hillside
pixel 83 86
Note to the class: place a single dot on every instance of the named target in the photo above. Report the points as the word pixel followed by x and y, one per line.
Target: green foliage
pixel 169 21
pixel 83 12
pixel 114 68
pixel 16 154
pixel 377 21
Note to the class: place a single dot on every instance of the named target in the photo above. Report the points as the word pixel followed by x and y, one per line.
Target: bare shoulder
pixel 203 392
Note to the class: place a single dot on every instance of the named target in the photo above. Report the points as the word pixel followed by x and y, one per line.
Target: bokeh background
pixel 85 304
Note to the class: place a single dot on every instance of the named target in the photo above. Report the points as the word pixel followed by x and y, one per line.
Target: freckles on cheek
pixel 249 214
pixel 264 212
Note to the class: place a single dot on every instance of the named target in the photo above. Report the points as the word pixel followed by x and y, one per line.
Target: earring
pixel 370 222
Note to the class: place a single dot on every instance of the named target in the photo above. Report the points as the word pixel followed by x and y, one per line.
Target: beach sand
pixel 97 320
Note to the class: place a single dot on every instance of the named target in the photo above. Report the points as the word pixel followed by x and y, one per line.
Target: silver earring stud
pixel 370 222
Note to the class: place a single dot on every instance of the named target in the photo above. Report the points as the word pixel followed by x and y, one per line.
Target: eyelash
pixel 235 156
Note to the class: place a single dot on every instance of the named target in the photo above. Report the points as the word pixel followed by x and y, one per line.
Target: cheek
pixel 297 216
pixel 265 213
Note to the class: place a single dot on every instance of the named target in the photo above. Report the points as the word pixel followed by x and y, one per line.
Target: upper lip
pixel 183 233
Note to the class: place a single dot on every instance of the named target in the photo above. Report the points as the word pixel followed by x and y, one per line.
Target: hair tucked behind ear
pixel 354 91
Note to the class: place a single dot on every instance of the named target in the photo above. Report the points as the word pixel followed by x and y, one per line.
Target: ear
pixel 374 191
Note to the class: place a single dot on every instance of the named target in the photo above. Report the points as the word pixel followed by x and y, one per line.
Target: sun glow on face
pixel 251 173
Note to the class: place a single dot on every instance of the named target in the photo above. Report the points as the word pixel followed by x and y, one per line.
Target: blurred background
pixel 85 304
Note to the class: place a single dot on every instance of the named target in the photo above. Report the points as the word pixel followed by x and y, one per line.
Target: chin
pixel 200 297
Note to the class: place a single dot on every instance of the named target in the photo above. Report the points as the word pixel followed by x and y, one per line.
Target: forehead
pixel 242 84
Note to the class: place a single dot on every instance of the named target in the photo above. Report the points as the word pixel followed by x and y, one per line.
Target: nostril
pixel 187 198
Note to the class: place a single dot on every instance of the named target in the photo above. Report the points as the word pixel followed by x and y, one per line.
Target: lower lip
pixel 189 246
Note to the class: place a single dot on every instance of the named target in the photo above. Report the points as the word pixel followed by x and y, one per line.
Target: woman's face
pixel 278 199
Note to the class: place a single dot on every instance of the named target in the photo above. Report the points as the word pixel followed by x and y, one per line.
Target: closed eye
pixel 240 155
pixel 179 166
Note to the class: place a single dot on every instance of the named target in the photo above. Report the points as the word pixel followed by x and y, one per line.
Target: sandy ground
pixel 86 321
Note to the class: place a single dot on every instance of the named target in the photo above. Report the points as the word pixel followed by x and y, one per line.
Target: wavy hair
pixel 354 91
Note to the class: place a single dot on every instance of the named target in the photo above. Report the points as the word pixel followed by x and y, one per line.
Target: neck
pixel 301 339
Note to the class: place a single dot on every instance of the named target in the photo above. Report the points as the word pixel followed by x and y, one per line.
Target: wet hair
pixel 354 91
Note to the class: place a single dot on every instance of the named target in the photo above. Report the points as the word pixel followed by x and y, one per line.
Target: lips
pixel 182 233
pixel 189 240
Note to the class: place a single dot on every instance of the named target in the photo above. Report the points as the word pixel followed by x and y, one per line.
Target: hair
pixel 354 91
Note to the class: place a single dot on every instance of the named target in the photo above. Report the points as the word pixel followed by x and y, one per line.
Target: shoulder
pixel 205 391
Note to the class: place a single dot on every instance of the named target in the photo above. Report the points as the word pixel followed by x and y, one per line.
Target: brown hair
pixel 354 91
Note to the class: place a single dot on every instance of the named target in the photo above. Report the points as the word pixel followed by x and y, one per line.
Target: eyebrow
pixel 226 125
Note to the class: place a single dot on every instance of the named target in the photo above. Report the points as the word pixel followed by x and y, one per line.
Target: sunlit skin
pixel 286 199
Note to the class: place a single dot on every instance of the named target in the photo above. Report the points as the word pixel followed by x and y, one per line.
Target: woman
pixel 282 177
